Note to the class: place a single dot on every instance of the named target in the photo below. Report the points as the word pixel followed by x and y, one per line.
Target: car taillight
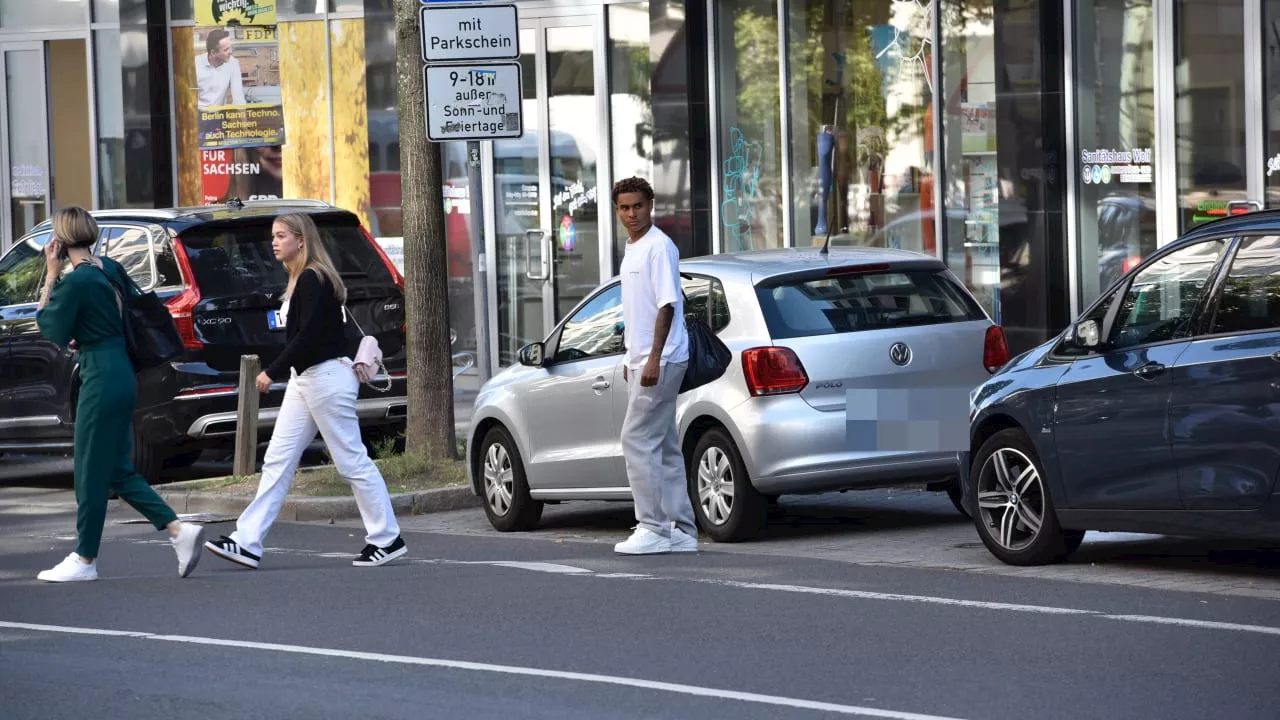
pixel 386 259
pixel 773 371
pixel 182 305
pixel 995 351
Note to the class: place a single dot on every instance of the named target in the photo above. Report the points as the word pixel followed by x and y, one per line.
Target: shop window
pixel 1271 97
pixel 972 201
pixel 750 175
pixel 25 14
pixel 861 122
pixel 1115 121
pixel 630 101
pixel 1210 108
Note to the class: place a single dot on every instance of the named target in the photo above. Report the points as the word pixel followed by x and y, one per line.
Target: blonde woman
pixel 321 395
pixel 86 306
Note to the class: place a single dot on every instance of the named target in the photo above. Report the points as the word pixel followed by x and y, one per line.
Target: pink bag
pixel 368 362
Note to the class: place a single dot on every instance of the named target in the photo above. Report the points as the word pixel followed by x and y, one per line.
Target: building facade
pixel 1039 147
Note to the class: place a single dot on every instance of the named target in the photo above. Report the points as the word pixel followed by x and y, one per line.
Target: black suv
pixel 214 268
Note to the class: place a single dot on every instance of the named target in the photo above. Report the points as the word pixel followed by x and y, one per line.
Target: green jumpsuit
pixel 83 307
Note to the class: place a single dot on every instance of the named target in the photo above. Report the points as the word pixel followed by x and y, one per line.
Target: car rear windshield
pixel 864 301
pixel 237 259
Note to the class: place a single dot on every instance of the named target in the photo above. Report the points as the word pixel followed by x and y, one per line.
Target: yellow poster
pixel 235 12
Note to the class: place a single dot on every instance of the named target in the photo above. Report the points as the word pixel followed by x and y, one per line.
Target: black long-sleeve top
pixel 314 330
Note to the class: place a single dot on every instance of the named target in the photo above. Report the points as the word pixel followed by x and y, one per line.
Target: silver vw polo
pixel 851 369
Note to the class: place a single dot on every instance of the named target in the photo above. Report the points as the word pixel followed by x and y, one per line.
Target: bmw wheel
pixel 727 506
pixel 506 492
pixel 1015 514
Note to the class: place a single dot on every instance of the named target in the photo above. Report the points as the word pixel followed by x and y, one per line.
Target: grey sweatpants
pixel 651 448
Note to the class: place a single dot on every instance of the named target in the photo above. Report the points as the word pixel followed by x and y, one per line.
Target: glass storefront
pixel 861 128
pixel 1212 144
pixel 1115 124
pixel 750 132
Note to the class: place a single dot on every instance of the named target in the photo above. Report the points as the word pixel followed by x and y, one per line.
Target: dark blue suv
pixel 215 270
pixel 1157 411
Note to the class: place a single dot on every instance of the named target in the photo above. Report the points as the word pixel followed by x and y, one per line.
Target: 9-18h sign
pixel 468 96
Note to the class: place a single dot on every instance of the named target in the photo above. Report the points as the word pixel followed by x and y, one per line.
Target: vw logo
pixel 899 353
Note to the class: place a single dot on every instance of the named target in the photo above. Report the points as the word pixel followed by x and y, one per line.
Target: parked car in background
pixel 215 270
pixel 810 335
pixel 1157 411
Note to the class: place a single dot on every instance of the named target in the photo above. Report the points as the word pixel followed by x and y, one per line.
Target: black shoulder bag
pixel 149 330
pixel 709 357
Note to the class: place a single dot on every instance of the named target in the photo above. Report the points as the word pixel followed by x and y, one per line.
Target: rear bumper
pixel 371 411
pixel 790 447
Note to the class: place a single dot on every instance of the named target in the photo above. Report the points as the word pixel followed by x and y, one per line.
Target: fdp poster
pixel 238 74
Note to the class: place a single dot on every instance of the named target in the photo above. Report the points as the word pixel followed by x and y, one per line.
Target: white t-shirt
pixel 650 280
pixel 212 83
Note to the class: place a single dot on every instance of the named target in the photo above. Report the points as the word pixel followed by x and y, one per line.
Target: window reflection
pixel 1161 300
pixel 1116 119
pixel 595 330
pixel 1209 67
pixel 751 130
pixel 861 126
pixel 630 101
pixel 22 270
pixel 1250 298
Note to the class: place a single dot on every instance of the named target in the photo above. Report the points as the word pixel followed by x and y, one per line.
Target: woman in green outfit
pixel 85 307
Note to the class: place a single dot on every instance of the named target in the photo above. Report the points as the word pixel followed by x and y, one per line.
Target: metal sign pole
pixel 479 261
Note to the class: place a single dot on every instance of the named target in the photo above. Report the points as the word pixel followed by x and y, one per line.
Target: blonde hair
pixel 313 255
pixel 75 227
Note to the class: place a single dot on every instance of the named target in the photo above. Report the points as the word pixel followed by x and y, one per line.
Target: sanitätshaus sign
pixel 235 12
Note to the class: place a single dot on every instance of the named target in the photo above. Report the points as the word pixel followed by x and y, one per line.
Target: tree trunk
pixel 429 430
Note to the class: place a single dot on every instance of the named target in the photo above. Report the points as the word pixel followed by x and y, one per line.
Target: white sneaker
pixel 188 543
pixel 643 542
pixel 70 570
pixel 680 542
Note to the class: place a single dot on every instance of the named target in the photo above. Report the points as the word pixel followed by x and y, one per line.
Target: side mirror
pixel 531 355
pixel 1087 334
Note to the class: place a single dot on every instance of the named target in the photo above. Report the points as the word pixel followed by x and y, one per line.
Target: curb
pixel 311 509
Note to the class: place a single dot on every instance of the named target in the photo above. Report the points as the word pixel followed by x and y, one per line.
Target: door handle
pixel 1149 371
pixel 601 384
pixel 536 239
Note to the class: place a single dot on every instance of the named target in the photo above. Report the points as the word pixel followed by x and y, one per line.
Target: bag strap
pixel 114 286
pixel 347 313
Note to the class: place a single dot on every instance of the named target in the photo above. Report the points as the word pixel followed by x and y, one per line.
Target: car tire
pixel 503 485
pixel 148 459
pixel 727 505
pixel 1013 509
pixel 183 458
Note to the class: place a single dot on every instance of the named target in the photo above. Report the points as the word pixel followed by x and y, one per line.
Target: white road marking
pixel 561 569
pixel 675 688
pixel 1185 622
pixel 545 567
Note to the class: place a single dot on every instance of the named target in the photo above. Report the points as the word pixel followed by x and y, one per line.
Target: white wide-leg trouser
pixel 321 398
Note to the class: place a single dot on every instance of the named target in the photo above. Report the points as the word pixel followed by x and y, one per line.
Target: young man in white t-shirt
pixel 657 356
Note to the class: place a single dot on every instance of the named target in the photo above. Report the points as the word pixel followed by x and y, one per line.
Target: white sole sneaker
pixel 188 544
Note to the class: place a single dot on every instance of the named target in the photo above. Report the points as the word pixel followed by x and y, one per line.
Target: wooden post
pixel 246 459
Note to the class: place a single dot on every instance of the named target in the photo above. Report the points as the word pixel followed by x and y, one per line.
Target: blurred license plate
pixel 274 320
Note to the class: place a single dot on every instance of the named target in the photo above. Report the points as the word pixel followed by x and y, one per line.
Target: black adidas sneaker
pixel 227 549
pixel 373 556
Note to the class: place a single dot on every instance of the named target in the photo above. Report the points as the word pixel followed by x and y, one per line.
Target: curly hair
pixel 632 185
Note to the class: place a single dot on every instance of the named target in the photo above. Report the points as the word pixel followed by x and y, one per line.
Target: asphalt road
pixel 480 625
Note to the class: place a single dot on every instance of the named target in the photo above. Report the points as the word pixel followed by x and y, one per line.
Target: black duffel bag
pixel 149 330
pixel 708 356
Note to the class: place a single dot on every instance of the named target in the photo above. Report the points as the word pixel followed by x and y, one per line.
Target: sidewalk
pixel 302 508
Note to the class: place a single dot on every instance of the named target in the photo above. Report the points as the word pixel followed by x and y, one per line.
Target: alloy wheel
pixel 715 486
pixel 499 480
pixel 1011 498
